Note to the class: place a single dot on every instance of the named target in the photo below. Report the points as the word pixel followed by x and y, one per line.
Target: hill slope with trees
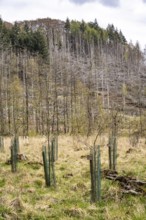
pixel 60 76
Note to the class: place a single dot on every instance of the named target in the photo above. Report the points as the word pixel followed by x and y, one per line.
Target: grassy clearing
pixel 24 195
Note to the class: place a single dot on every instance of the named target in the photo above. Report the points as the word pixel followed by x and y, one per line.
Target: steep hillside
pixel 115 64
pixel 64 76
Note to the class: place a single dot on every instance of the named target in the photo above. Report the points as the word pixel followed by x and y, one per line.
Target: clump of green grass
pixel 34 166
pixel 2 182
pixel 38 183
pixel 5 212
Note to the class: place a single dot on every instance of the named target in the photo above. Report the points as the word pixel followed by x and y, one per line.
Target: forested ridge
pixel 65 77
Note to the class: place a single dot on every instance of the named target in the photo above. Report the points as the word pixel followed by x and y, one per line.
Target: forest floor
pixel 23 195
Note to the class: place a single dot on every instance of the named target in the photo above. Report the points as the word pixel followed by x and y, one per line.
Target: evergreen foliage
pixel 4 35
pixel 34 41
pixel 21 38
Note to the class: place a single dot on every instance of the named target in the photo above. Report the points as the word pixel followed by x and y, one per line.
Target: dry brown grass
pixel 24 195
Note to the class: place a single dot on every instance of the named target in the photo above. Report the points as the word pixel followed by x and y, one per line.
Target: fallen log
pixel 128 184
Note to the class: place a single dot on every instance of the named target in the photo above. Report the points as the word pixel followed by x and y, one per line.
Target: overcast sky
pixel 127 15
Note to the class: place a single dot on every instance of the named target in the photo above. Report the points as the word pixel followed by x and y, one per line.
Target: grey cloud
pixel 144 1
pixel 111 3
